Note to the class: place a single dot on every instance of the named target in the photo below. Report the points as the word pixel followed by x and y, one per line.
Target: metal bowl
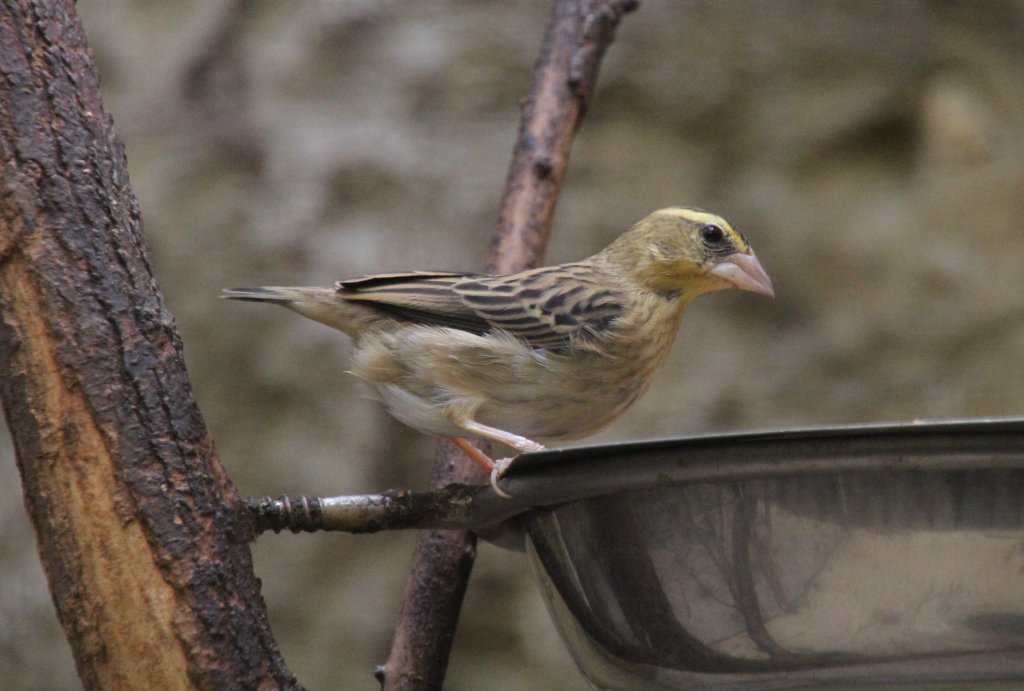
pixel 830 557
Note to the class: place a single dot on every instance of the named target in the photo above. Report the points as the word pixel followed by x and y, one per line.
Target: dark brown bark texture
pixel 441 565
pixel 577 35
pixel 140 532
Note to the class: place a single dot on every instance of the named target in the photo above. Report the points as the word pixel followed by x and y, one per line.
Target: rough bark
pixel 142 535
pixel 577 34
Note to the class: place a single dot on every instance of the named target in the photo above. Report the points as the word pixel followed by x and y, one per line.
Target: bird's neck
pixel 673 281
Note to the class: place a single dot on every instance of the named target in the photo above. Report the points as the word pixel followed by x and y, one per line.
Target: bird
pixel 544 355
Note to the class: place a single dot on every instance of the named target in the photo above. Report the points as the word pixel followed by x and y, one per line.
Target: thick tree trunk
pixel 141 533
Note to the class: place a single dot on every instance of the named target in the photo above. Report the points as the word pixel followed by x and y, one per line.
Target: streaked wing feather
pixel 374 280
pixel 545 307
pixel 419 296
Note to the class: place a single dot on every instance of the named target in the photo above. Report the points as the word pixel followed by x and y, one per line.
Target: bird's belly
pixel 415 411
pixel 560 412
pixel 429 377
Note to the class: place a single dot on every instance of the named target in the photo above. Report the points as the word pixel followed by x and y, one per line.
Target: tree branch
pixel 448 507
pixel 577 34
pixel 139 529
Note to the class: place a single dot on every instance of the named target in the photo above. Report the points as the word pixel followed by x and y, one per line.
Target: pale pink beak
pixel 743 271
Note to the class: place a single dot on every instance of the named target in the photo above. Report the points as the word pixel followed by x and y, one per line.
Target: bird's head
pixel 688 252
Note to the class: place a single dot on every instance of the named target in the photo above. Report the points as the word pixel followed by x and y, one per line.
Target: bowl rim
pixel 558 476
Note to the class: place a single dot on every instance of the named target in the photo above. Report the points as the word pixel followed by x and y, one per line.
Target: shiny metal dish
pixel 827 558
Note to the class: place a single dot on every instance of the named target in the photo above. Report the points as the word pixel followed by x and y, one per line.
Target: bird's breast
pixel 576 393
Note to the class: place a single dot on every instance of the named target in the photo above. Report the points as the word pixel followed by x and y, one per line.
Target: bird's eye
pixel 712 235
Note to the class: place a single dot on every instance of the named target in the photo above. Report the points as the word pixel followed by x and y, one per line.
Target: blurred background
pixel 873 152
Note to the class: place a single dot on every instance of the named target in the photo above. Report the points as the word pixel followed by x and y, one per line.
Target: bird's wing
pixel 419 296
pixel 545 307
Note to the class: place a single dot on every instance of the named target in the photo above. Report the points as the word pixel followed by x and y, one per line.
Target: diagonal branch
pixel 577 34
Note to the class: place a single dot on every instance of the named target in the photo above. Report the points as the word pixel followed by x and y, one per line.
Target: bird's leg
pixel 475 454
pixel 494 434
pixel 496 468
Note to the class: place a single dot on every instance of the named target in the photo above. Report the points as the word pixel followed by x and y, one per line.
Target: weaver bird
pixel 547 354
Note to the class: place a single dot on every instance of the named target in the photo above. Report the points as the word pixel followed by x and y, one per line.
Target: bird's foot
pixel 496 468
pixel 497 471
pixel 502 464
pixel 530 446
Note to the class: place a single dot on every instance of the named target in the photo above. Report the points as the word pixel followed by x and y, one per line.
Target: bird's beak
pixel 743 271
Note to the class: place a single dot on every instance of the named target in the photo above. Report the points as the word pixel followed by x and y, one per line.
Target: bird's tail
pixel 276 294
pixel 320 304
